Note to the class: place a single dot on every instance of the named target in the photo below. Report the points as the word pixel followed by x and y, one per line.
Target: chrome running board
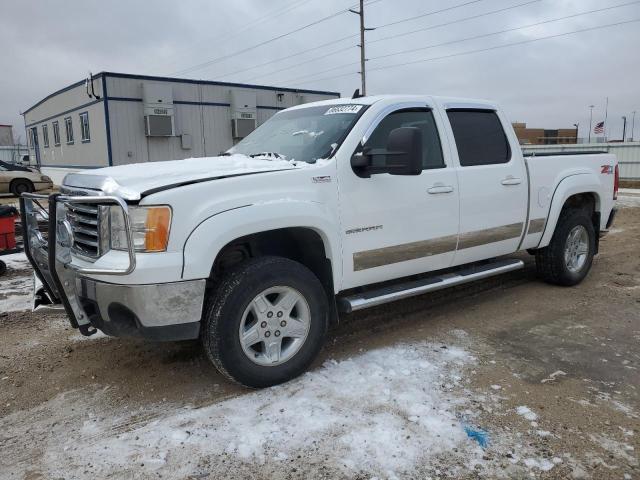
pixel 387 294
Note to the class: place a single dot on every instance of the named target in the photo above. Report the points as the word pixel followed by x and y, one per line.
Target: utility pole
pixel 624 129
pixel 363 59
pixel 590 121
pixel 633 126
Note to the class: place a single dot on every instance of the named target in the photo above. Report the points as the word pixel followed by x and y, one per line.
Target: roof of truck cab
pixel 446 102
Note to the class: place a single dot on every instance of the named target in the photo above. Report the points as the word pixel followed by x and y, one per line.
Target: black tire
pixel 225 308
pixel 3 267
pixel 550 261
pixel 20 186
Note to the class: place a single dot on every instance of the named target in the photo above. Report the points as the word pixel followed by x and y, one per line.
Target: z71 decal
pixel 607 169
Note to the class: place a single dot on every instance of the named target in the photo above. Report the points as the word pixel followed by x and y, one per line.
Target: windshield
pixel 304 134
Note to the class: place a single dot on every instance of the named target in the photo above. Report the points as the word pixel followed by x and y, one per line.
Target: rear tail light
pixel 616 182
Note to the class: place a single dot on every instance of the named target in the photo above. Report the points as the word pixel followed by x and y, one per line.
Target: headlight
pixel 149 225
pixel 44 178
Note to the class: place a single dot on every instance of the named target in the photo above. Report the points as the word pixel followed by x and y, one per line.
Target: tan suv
pixel 18 180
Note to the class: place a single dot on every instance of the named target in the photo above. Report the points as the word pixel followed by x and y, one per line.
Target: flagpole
pixel 606 112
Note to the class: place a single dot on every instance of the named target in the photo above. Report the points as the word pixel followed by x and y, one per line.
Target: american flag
pixel 599 128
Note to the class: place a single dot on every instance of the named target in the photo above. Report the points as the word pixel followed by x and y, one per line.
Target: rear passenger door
pixel 493 185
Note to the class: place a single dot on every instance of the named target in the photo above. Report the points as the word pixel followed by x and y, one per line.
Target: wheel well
pixel 590 202
pixel 19 179
pixel 300 244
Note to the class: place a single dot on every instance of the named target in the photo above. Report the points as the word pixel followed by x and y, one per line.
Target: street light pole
pixel 590 120
pixel 576 125
pixel 633 126
pixel 624 129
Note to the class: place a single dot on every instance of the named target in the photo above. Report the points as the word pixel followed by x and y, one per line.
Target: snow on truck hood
pixel 131 182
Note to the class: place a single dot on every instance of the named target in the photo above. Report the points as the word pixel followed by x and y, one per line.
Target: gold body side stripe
pixel 536 225
pixel 404 252
pixel 489 235
pixel 436 246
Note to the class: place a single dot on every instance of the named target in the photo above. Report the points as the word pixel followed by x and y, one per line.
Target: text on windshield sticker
pixel 343 109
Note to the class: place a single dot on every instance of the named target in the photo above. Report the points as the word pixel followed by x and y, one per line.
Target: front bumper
pixel 163 311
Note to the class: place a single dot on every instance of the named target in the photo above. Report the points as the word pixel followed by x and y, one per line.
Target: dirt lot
pixel 547 376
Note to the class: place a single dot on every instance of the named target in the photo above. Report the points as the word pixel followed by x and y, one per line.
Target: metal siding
pixel 91 154
pixel 206 121
pixel 628 154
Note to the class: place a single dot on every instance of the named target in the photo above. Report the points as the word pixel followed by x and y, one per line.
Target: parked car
pixel 17 180
pixel 331 206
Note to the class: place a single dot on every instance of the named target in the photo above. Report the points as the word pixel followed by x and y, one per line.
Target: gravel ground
pixel 547 376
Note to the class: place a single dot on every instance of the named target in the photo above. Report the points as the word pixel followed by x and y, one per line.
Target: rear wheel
pixel 20 186
pixel 568 257
pixel 266 322
pixel 3 267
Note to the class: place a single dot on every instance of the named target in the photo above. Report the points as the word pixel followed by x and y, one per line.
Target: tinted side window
pixel 419 118
pixel 479 137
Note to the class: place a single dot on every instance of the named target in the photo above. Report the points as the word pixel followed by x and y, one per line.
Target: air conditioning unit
pixel 244 114
pixel 157 99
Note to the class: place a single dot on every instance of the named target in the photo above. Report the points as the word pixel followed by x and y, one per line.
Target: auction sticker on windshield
pixel 343 109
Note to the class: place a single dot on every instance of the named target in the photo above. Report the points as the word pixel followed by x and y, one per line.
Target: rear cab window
pixel 479 136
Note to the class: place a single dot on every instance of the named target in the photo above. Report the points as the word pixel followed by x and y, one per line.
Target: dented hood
pixel 132 182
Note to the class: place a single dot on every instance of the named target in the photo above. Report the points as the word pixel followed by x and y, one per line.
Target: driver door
pixel 400 225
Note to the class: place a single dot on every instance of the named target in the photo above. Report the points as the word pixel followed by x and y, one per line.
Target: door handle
pixel 440 188
pixel 510 180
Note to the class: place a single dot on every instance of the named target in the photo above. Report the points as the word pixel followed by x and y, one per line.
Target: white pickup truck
pixel 331 206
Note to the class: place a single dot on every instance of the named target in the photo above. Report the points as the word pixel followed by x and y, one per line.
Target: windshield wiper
pixel 266 154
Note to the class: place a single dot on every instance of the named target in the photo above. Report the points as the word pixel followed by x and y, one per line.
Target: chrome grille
pixel 85 224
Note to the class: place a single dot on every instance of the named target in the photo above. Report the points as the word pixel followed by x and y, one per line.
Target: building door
pixel 35 144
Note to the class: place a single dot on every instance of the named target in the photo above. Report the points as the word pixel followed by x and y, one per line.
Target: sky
pixel 547 83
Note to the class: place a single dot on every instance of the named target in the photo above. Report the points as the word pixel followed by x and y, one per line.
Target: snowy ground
pixel 388 413
pixel 628 197
pixel 522 380
pixel 16 286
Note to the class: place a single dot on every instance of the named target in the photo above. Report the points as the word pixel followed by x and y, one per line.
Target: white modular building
pixel 117 118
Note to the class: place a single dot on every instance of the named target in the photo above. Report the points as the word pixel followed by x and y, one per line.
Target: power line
pixel 270 62
pixel 427 14
pixel 469 52
pixel 445 24
pixel 314 59
pixel 475 37
pixel 506 30
pixel 252 67
pixel 265 42
pixel 226 37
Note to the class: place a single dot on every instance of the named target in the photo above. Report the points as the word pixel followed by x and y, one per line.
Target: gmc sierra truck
pixel 327 207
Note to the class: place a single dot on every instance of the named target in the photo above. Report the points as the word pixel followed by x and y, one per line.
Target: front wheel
pixel 20 186
pixel 266 322
pixel 568 257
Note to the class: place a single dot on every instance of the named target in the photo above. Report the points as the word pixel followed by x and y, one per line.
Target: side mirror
pixel 404 151
pixel 402 156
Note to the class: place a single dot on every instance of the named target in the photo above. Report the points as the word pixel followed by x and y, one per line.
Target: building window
pixel 84 127
pixel 45 136
pixel 68 125
pixel 33 137
pixel 56 133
